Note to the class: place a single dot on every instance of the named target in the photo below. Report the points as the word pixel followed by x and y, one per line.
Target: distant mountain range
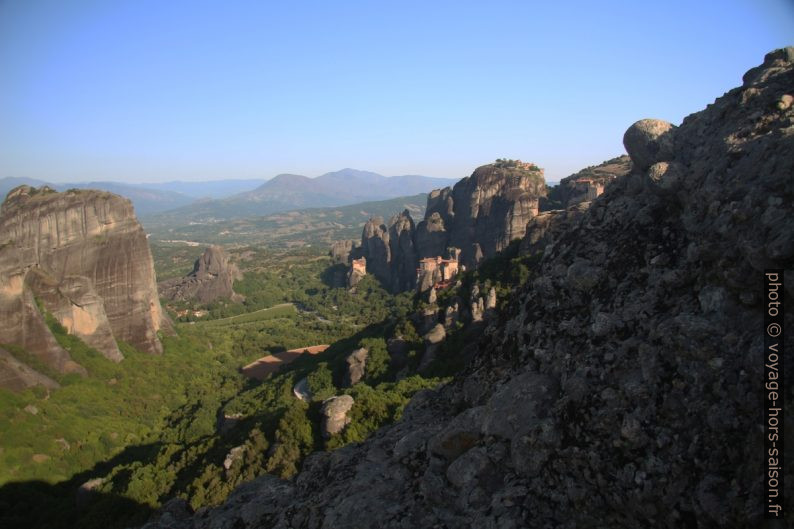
pixel 207 189
pixel 287 192
pixel 149 198
pixel 285 229
pixel 229 199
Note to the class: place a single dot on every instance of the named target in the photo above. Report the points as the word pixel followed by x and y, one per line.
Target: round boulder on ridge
pixel 649 141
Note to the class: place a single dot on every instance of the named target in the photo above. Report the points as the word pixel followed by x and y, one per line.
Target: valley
pixel 240 389
pixel 357 351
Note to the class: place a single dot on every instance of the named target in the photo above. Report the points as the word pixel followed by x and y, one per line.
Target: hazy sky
pixel 160 90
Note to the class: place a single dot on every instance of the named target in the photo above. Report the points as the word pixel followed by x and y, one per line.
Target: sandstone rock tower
pixel 83 257
pixel 212 278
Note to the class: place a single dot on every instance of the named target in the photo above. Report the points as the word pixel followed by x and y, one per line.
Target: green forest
pixel 130 436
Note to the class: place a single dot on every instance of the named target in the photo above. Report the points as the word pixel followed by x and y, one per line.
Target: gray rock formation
pixel 85 257
pixel 212 278
pixel 476 305
pixel 589 183
pixel 452 314
pixel 375 248
pixel 549 226
pixel 490 302
pixel 389 251
pixel 478 217
pixel 301 390
pixel 76 305
pixel 649 141
pixel 556 423
pixel 340 251
pixel 334 412
pixel 486 210
pixel 356 366
pixel 235 454
pixel 431 235
pixel 403 255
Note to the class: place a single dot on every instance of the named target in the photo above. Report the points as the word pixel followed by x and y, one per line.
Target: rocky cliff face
pixel 492 208
pixel 480 215
pixel 589 183
pixel 85 258
pixel 212 278
pixel 624 386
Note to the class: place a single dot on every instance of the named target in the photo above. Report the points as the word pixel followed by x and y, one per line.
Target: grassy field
pixel 282 310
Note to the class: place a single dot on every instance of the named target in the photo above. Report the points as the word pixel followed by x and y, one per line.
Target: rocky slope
pixel 587 184
pixel 212 278
pixel 83 256
pixel 479 215
pixel 623 387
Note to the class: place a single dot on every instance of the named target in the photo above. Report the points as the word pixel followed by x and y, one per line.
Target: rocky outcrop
pixel 490 301
pixel 587 184
pixel 340 251
pixel 358 269
pixel 492 208
pixel 403 254
pixel 473 220
pixel 302 391
pixel 76 305
pixel 649 141
pixel 356 366
pixel 623 387
pixel 16 376
pixel 548 226
pixel 334 413
pixel 375 248
pixel 212 278
pixel 388 249
pixel 83 257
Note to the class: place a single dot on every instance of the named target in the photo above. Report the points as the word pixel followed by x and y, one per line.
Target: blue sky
pixel 152 90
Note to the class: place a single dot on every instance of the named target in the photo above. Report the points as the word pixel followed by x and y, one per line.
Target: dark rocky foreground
pixel 624 386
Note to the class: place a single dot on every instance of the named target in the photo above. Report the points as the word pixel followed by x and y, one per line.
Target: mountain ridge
pixel 287 191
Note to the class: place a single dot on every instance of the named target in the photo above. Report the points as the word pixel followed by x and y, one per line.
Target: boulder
pixel 435 335
pixel 490 302
pixel 235 454
pixel 334 412
pixel 356 366
pixel 459 435
pixel 649 141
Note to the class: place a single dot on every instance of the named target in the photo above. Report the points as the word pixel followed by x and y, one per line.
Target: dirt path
pixel 267 365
